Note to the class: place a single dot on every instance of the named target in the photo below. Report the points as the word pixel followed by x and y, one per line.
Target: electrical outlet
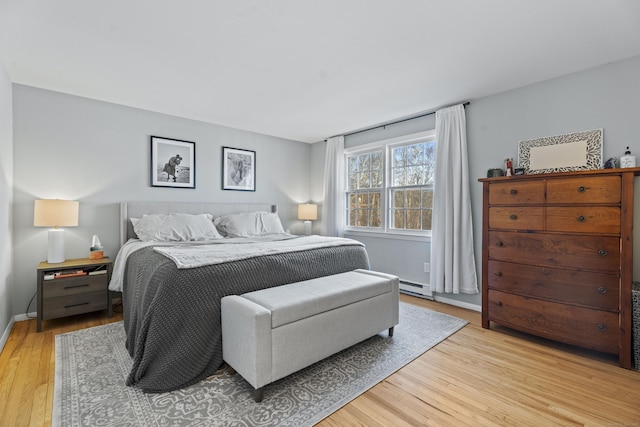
pixel 427 267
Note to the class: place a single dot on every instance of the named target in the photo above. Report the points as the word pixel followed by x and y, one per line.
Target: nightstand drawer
pixel 74 285
pixel 75 304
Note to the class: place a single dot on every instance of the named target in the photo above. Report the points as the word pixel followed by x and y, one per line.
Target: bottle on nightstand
pixel 628 160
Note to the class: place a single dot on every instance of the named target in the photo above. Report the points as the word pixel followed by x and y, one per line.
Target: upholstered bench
pixel 274 332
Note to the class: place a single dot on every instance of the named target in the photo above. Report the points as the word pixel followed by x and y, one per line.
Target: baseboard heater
pixel 417 289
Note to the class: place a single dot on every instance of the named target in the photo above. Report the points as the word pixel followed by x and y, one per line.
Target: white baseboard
pixel 12 321
pixel 457 303
pixel 26 316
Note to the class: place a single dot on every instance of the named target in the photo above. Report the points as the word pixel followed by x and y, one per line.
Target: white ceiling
pixel 306 69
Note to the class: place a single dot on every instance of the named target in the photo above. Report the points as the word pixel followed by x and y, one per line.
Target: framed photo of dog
pixel 238 169
pixel 173 163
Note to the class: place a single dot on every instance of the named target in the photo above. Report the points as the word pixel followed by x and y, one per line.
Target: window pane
pixel 398 177
pixel 415 175
pixel 413 219
pixel 398 198
pixel 426 219
pixel 413 198
pixel 353 201
pixel 353 181
pixel 363 220
pixel 363 200
pixel 376 179
pixel 399 156
pixel 398 218
pixel 375 200
pixel 353 164
pixel 352 217
pixel 375 219
pixel 427 198
pixel 376 160
pixel 364 180
pixel 364 162
pixel 415 154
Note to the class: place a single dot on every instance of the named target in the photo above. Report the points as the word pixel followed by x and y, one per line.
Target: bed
pixel 172 306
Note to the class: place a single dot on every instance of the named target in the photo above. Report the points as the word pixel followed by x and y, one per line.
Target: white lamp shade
pixel 308 212
pixel 55 213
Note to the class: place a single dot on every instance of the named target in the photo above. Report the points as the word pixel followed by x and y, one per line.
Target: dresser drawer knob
pixel 602 290
pixel 498 273
pixel 513 191
pixel 499 303
pixel 498 243
pixel 513 217
pixel 581 218
pixel 582 189
pixel 602 252
pixel 602 327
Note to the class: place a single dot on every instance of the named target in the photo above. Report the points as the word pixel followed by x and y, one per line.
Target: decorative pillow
pixel 249 224
pixel 175 228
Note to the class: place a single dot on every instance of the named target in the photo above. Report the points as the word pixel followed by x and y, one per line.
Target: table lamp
pixel 307 212
pixel 55 213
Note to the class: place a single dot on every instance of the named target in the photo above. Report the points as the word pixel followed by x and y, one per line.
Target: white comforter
pixel 198 254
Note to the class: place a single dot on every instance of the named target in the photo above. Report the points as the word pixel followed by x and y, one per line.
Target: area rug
pixel 92 364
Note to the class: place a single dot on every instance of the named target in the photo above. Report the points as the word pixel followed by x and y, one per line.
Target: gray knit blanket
pixel 172 316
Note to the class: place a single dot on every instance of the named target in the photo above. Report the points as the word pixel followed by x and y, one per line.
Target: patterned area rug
pixel 92 364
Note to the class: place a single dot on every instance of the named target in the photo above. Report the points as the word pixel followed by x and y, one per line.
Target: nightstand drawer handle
pixel 581 218
pixel 76 286
pixel 602 290
pixel 513 217
pixel 76 305
pixel 602 252
pixel 602 327
pixel 498 243
pixel 513 191
pixel 582 189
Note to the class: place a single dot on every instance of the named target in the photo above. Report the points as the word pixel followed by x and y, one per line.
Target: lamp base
pixel 307 228
pixel 55 253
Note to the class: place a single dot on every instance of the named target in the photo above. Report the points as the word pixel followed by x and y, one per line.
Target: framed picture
pixel 238 169
pixel 561 153
pixel 173 163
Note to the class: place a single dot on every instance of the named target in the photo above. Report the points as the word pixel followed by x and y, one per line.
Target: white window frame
pixel 385 202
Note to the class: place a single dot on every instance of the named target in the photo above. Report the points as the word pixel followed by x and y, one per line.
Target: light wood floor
pixel 476 377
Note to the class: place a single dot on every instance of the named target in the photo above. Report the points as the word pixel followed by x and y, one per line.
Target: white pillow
pixel 249 224
pixel 175 228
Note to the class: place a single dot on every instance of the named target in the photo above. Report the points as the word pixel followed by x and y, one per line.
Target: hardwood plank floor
pixel 476 377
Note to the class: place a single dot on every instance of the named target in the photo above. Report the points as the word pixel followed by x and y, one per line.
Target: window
pixel 390 185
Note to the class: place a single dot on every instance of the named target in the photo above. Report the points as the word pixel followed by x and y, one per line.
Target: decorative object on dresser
pixel 55 213
pixel 73 287
pixel 307 212
pixel 557 257
pixel 561 153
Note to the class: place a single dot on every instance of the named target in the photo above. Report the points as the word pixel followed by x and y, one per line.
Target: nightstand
pixel 62 294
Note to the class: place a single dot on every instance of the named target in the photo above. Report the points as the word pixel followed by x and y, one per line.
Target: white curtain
pixel 333 208
pixel 453 266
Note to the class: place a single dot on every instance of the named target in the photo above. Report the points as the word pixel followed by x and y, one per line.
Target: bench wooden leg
pixel 391 331
pixel 259 394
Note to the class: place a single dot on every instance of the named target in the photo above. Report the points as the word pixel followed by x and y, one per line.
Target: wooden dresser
pixel 557 257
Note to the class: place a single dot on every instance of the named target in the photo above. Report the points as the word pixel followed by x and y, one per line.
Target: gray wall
pixel 6 196
pixel 603 97
pixel 98 153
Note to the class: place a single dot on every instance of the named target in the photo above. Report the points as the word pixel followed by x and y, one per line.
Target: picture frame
pixel 238 169
pixel 173 163
pixel 561 153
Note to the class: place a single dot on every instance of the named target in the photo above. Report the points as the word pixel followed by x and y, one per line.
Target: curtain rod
pixel 464 104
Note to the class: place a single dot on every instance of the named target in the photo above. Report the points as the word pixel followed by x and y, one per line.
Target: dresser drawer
pixel 516 193
pixel 596 290
pixel 516 218
pixel 593 253
pixel 603 219
pixel 75 304
pixel 74 285
pixel 585 327
pixel 591 190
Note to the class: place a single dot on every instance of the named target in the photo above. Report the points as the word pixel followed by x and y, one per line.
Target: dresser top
pixel 616 171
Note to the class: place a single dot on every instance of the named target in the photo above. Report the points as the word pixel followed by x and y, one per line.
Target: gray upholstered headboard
pixel 137 209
